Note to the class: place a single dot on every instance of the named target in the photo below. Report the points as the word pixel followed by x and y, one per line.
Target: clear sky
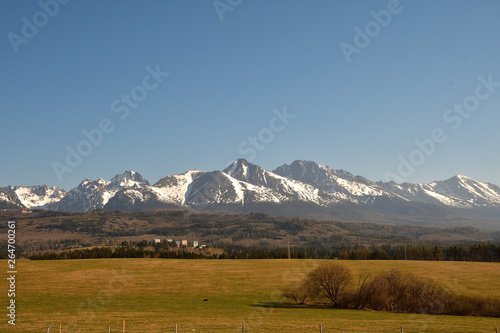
pixel 348 84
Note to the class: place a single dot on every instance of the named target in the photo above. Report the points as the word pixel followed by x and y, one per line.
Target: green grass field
pixel 152 295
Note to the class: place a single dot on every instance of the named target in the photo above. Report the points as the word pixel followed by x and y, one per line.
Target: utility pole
pixel 288 249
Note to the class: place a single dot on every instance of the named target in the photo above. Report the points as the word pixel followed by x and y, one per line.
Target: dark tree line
pixel 124 252
pixel 485 252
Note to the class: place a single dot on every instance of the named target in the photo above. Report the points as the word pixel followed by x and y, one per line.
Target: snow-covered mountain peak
pixel 340 183
pixel 302 170
pixel 243 186
pixel 85 182
pixel 466 189
pixel 93 194
pixel 37 196
pixel 178 187
pixel 128 179
pixel 92 183
pixel 88 183
pixel 182 178
pixel 458 191
pixel 9 200
pixel 243 170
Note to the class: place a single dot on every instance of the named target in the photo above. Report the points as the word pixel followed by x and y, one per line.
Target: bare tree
pixel 363 292
pixel 298 292
pixel 330 281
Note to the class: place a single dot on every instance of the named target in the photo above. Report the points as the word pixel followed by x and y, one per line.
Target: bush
pixel 329 281
pixel 393 291
pixel 297 292
pixel 363 293
pixel 396 291
pixel 472 306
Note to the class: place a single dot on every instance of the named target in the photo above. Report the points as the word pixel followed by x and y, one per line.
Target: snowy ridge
pixel 177 187
pixel 287 188
pixel 340 184
pixel 238 189
pixel 94 194
pixel 37 196
pixel 458 191
pixel 9 200
pixel 238 185
pixel 301 187
pixel 128 179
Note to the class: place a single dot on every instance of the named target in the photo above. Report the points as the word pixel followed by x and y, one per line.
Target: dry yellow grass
pixel 154 294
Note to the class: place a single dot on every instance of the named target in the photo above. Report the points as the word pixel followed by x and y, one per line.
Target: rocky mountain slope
pixel 302 188
pixel 37 196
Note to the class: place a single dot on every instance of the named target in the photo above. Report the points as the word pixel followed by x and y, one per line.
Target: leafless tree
pixel 297 292
pixel 329 281
pixel 363 292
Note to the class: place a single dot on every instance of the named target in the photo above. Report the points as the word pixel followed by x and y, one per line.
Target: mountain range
pixel 302 188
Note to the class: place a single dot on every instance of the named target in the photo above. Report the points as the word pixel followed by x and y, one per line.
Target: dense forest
pixel 484 252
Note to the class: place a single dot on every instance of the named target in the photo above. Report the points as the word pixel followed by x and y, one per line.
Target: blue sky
pixel 227 76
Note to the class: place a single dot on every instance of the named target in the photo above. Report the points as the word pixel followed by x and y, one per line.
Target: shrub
pixel 329 282
pixel 297 292
pixel 396 291
pixel 393 291
pixel 363 293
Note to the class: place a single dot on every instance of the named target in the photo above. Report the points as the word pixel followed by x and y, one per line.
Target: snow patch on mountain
pixel 243 185
pixel 37 196
pixel 238 189
pixel 340 184
pixel 458 191
pixel 177 187
pixel 289 189
pixel 94 194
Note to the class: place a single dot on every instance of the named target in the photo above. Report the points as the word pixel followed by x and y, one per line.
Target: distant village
pixel 24 210
pixel 182 243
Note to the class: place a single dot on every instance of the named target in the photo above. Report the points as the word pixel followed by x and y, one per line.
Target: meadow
pixel 152 295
